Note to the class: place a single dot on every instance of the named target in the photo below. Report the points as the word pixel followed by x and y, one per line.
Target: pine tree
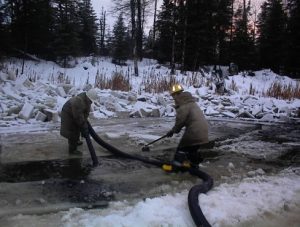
pixel 293 40
pixel 66 40
pixel 222 27
pixel 163 45
pixel 31 26
pixel 201 36
pixel 120 44
pixel 88 27
pixel 201 32
pixel 243 48
pixel 272 35
pixel 109 39
pixel 4 29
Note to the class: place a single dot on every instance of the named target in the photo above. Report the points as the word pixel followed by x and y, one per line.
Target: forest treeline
pixel 186 34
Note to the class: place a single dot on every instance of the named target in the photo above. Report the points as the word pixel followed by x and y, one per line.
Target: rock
pixel 3 76
pixel 169 111
pixel 40 116
pixel 24 82
pixel 50 101
pixel 245 114
pixel 228 114
pixel 256 110
pixel 113 105
pixel 26 111
pixel 255 172
pixel 142 99
pixel 215 101
pixel 3 107
pixel 66 87
pixel 267 117
pixel 136 113
pixel 60 101
pixel 11 75
pixel 61 92
pixel 154 100
pixel 161 101
pixel 211 111
pixel 132 97
pixel 11 93
pixel 226 103
pixel 260 171
pixel 146 112
pixel 156 113
pixel 52 115
pixel 233 109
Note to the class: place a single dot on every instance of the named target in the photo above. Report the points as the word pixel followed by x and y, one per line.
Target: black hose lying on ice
pixel 116 151
pixel 193 196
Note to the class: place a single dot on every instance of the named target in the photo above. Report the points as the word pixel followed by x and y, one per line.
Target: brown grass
pixel 156 84
pixel 117 82
pixel 287 92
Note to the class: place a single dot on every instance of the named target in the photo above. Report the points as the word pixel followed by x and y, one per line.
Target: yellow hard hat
pixel 176 88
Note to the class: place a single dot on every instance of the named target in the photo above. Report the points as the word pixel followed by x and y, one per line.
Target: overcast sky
pixel 107 5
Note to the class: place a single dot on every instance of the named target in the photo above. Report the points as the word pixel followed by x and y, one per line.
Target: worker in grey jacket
pixel 190 116
pixel 74 117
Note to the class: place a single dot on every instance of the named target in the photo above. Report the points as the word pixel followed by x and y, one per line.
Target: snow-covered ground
pixel 227 204
pixel 32 102
pixel 39 93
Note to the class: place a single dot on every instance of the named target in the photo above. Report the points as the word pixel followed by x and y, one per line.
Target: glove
pixel 170 133
pixel 85 132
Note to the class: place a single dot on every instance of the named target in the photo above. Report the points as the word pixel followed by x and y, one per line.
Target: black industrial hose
pixel 194 192
pixel 193 197
pixel 118 152
pixel 92 151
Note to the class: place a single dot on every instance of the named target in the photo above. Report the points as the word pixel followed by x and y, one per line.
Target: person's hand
pixel 85 132
pixel 170 133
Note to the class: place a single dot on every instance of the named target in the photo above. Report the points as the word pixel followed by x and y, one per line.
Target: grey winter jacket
pixel 190 116
pixel 74 116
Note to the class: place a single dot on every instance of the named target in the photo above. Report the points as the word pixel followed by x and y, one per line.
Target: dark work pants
pixel 73 143
pixel 191 153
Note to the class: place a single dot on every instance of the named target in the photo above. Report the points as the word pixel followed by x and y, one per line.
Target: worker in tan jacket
pixel 74 116
pixel 190 116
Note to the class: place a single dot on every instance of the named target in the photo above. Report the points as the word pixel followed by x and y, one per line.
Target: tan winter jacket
pixel 190 116
pixel 74 116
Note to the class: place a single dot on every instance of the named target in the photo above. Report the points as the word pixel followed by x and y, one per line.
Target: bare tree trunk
pixel 244 10
pixel 134 41
pixel 154 23
pixel 231 31
pixel 102 31
pixel 143 14
pixel 254 23
pixel 184 38
pixel 173 42
pixel 139 32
